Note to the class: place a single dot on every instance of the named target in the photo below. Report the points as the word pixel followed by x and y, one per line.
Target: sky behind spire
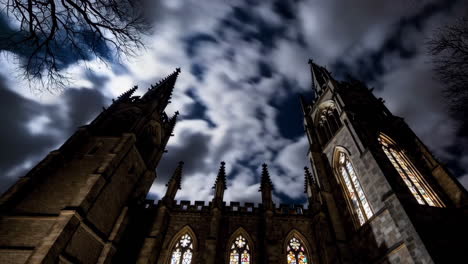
pixel 243 64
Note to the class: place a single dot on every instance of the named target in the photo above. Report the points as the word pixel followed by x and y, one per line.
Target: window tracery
pixel 183 250
pixel 353 189
pixel 328 122
pixel 296 253
pixel 240 251
pixel 420 190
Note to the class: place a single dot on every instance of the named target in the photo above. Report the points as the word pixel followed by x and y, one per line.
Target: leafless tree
pixel 449 50
pixel 47 35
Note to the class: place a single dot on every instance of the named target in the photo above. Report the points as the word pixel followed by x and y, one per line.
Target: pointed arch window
pixel 183 250
pixel 240 251
pixel 328 121
pixel 415 182
pixel 353 189
pixel 296 253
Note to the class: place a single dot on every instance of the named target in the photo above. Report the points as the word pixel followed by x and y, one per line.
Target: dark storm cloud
pixel 243 63
pixel 192 149
pixel 17 143
pixel 252 26
pixel 26 139
pixel 370 65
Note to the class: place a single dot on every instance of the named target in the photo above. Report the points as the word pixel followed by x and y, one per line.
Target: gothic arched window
pixel 328 121
pixel 240 251
pixel 182 252
pixel 418 187
pixel 353 189
pixel 296 253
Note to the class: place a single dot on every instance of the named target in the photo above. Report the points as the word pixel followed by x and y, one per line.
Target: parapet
pixel 233 207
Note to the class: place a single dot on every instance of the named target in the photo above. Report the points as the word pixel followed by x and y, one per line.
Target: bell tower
pixel 74 205
pixel 387 197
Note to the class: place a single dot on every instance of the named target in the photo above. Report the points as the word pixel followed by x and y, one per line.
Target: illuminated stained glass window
pixel 354 190
pixel 183 250
pixel 410 175
pixel 240 251
pixel 296 252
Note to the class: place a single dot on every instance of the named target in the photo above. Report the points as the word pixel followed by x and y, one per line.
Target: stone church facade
pixel 375 194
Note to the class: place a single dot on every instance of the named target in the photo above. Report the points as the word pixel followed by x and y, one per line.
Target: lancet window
pixel 328 123
pixel 240 251
pixel 296 253
pixel 418 187
pixel 353 189
pixel 183 250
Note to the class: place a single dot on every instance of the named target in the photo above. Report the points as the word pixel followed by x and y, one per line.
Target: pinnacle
pixel 265 181
pixel 128 93
pixel 163 89
pixel 177 175
pixel 221 178
pixel 309 179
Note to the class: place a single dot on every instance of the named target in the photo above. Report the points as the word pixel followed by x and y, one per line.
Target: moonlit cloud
pixel 243 65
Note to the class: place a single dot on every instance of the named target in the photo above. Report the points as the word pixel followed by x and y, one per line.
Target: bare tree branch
pixel 53 33
pixel 449 50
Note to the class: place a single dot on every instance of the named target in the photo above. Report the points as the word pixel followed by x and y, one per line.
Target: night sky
pixel 244 63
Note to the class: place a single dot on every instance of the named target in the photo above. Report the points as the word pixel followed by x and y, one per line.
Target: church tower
pixel 389 200
pixel 75 204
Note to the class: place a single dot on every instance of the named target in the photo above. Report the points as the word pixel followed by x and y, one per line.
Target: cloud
pixel 35 129
pixel 243 65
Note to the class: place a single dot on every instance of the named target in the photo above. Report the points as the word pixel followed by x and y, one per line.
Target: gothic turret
pixel 266 187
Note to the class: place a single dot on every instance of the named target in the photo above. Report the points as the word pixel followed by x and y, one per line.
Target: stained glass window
pixel 240 251
pixel 354 190
pixel 296 252
pixel 183 250
pixel 410 175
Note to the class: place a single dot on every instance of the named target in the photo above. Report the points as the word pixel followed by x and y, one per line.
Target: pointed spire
pixel 312 190
pixel 308 179
pixel 265 182
pixel 126 95
pixel 320 77
pixel 174 184
pixel 177 175
pixel 172 122
pixel 221 178
pixel 162 91
pixel 266 187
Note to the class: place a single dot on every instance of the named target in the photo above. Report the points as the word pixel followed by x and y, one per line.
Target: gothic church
pixel 375 193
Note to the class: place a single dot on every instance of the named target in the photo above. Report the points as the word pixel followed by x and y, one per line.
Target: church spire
pixel 320 77
pixel 221 178
pixel 174 183
pixel 266 183
pixel 311 188
pixel 162 91
pixel 220 186
pixel 266 187
pixel 126 95
pixel 308 180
